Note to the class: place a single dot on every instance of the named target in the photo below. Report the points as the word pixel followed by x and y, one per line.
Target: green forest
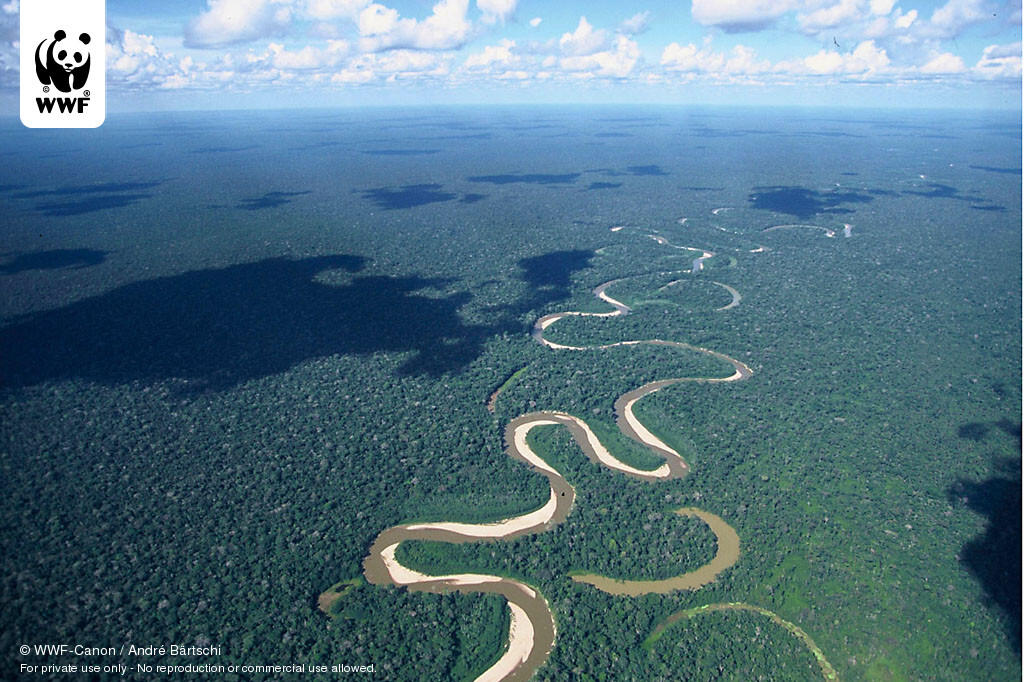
pixel 207 430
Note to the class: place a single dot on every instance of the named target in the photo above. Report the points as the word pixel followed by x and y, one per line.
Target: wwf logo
pixel 63 74
pixel 64 63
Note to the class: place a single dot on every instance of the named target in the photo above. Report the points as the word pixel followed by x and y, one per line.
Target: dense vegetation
pixel 730 645
pixel 232 362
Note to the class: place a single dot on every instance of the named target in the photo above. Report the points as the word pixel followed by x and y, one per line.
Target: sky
pixel 222 54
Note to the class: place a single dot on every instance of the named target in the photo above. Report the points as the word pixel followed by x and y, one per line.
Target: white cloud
pixel 227 22
pixel 859 20
pixel 394 65
pixel 866 60
pixel 905 20
pixel 378 20
pixel 447 28
pixel 825 62
pixel 636 24
pixel 134 61
pixel 410 61
pixel 9 22
pixel 334 9
pixel 1000 62
pixel 500 62
pixel 740 63
pixel 952 18
pixel 741 15
pixel 882 7
pixel 308 58
pixel 617 62
pixel 500 54
pixel 584 40
pixel 744 62
pixel 945 63
pixel 890 46
pixel 843 12
pixel 690 58
pixel 496 10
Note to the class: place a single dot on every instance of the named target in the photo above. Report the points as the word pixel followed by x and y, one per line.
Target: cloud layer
pixel 253 44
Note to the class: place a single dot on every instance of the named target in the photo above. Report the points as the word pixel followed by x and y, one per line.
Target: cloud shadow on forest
pixel 993 169
pixel 400 152
pixel 646 170
pixel 213 329
pixel 270 200
pixel 938 190
pixel 54 259
pixel 527 178
pixel 407 196
pixel 222 149
pixel 804 203
pixel 550 275
pixel 89 198
pixel 994 558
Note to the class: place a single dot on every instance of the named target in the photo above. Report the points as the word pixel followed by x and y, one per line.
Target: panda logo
pixel 66 64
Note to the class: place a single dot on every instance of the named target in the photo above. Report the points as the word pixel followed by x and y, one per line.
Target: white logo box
pixel 63 77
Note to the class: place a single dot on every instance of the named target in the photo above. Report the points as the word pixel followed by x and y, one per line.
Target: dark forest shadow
pixel 141 145
pixel 409 196
pixel 89 198
pixel 53 259
pixel 57 209
pixel 270 200
pixel 222 150
pixel 213 329
pixel 940 191
pixel 646 170
pixel 80 190
pixel 470 136
pixel 550 275
pixel 937 190
pixel 400 152
pixel 322 145
pixel 993 169
pixel 528 178
pixel 995 557
pixel 804 203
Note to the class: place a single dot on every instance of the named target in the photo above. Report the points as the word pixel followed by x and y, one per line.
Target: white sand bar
pixel 736 298
pixel 608 459
pixel 643 434
pixel 520 644
pixel 621 308
pixel 401 575
pixel 524 451
pixel 498 529
pixel 828 232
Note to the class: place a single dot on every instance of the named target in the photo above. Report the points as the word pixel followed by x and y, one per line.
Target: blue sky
pixel 272 53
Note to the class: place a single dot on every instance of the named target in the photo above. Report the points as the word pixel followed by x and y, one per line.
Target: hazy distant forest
pixel 236 347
